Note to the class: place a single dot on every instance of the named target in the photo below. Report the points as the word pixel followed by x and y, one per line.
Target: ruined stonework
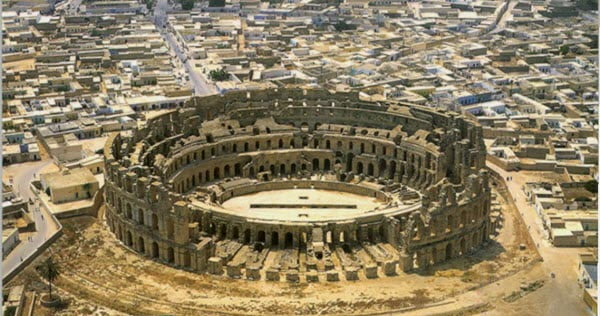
pixel 166 184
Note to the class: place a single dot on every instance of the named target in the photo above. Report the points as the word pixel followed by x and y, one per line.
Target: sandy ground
pixel 97 271
pixel 13 170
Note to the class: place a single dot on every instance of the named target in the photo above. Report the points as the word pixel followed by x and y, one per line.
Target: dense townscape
pixel 300 157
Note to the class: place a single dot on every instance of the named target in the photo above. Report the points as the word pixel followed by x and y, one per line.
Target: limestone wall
pixel 282 132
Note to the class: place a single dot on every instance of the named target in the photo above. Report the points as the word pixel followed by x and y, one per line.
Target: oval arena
pixel 299 185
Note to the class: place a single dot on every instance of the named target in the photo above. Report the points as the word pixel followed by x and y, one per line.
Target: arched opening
pixel 246 147
pixel 349 159
pixel 293 168
pixel 304 127
pixel 140 216
pixel 261 236
pixel 234 147
pixel 463 247
pixel 223 231
pixel 261 169
pixel 280 143
pixel 289 240
pixel 292 143
pixel 392 169
pixel 141 245
pixel 315 164
pixel 448 251
pixel 327 165
pixel 282 169
pixel 359 168
pixel 236 233
pixel 128 213
pixel 154 222
pixel 217 174
pixel 227 171
pixel 237 170
pixel 170 255
pixel 274 239
pixel 371 235
pixel 346 248
pixel 155 253
pixel 247 236
pixel 187 260
pixel 303 166
pixel 128 239
pixel 382 167
pixel 343 237
pixel 170 228
pixel 272 169
pixel 328 144
pixel 435 255
pixel 362 148
pixel 370 169
pixel 207 176
pixel 316 143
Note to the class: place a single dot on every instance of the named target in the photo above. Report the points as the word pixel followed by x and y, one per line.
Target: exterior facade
pixel 165 184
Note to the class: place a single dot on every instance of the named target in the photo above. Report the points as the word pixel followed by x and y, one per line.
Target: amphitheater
pixel 299 185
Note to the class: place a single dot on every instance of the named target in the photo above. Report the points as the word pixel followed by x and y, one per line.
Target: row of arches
pixel 149 247
pixel 348 143
pixel 445 251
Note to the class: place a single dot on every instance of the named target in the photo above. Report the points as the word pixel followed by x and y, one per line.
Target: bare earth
pixel 100 276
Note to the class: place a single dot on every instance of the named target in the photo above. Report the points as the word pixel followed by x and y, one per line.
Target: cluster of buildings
pixel 70 77
pixel 16 219
pixel 568 210
pixel 527 71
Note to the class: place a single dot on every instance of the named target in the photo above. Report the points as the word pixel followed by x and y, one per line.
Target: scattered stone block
pixel 311 264
pixel 333 276
pixel 312 276
pixel 215 266
pixel 352 274
pixel 329 265
pixel 371 271
pixel 389 268
pixel 234 271
pixel 253 273
pixel 273 275
pixel 292 276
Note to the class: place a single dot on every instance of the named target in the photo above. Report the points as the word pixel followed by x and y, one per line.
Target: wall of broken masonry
pixel 215 137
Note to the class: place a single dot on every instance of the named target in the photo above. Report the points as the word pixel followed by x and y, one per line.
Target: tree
pixel 219 75
pixel 216 3
pixel 564 49
pixel 187 4
pixel 49 270
pixel 343 26
pixel 592 186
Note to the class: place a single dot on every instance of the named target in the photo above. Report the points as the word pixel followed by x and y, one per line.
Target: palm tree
pixel 49 270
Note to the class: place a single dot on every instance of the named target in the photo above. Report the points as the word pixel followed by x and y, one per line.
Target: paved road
pixel 201 86
pixel 562 295
pixel 45 227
